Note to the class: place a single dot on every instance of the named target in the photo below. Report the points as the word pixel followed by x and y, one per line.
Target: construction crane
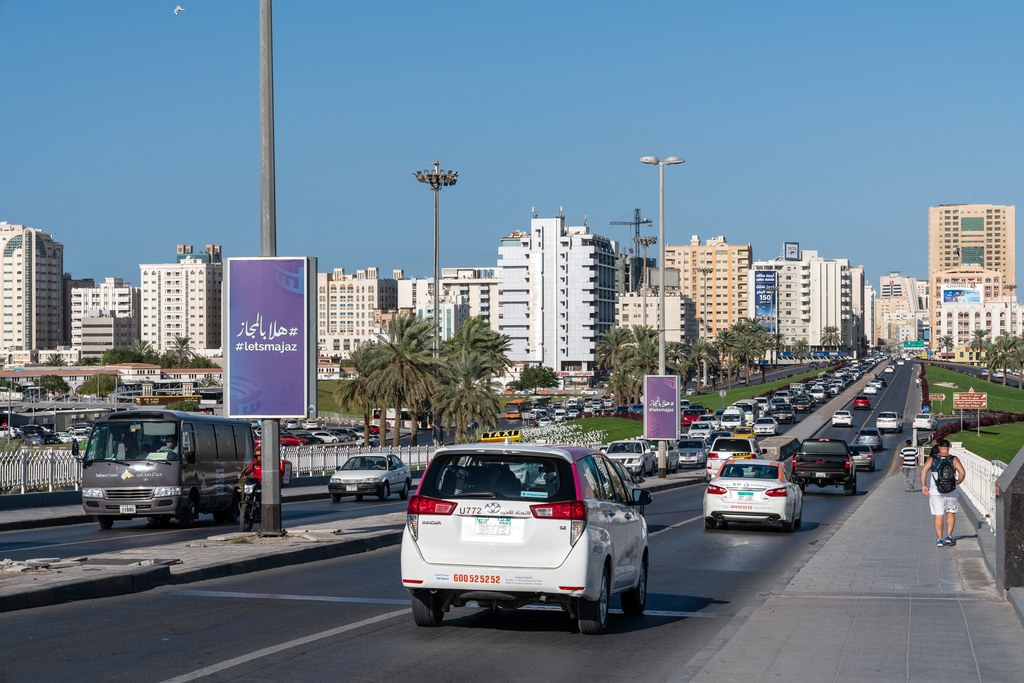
pixel 636 222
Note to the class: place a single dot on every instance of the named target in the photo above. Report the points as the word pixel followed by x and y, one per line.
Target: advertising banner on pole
pixel 269 337
pixel 661 407
pixel 764 298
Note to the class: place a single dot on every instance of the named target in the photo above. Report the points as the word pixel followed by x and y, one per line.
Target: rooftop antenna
pixel 534 209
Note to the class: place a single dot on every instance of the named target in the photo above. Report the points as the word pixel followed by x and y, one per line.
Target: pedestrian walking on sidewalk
pixel 941 475
pixel 908 463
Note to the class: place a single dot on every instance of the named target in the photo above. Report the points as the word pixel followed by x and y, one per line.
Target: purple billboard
pixel 267 345
pixel 661 407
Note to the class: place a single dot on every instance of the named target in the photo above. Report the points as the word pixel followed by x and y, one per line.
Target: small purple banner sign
pixel 661 407
pixel 267 337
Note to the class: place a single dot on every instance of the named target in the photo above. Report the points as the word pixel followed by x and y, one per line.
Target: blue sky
pixel 126 129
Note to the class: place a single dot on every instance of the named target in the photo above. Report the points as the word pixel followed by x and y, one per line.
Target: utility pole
pixel 704 271
pixel 270 437
pixel 436 180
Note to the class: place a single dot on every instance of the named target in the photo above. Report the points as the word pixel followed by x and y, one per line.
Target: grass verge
pixel 714 401
pixel 998 442
pixel 615 428
pixel 1007 398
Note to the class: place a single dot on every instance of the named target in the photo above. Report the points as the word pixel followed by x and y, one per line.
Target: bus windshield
pixel 133 440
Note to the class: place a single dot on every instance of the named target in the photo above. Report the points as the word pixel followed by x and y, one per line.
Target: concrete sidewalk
pixel 878 602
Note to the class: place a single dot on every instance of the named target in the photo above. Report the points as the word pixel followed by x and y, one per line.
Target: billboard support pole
pixel 270 429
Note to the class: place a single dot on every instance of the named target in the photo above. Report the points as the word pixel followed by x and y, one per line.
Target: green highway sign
pixel 913 344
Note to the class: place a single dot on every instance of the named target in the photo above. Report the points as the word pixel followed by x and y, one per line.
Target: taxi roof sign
pixel 503 436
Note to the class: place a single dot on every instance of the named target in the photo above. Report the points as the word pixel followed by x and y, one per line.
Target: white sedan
pixel 766 426
pixel 842 418
pixel 326 437
pixel 756 491
pixel 889 369
pixel 871 389
pixel 925 421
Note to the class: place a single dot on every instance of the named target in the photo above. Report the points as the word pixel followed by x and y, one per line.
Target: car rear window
pixel 691 444
pixel 732 445
pixel 499 476
pixel 737 471
pixel 824 447
pixel 631 447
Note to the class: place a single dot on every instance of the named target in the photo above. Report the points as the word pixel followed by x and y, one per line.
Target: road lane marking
pixel 676 525
pixel 390 601
pixel 274 649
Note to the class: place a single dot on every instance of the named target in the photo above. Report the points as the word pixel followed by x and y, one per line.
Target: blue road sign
pixel 927 409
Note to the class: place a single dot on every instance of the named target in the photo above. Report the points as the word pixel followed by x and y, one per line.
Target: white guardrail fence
pixel 980 483
pixel 54 470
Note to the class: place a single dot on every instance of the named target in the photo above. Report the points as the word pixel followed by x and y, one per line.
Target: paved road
pixel 348 618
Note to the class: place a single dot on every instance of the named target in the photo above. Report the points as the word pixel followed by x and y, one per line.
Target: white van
pixel 732 418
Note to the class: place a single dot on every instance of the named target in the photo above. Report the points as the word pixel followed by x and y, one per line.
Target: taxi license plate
pixel 351 487
pixel 127 509
pixel 746 494
pixel 493 526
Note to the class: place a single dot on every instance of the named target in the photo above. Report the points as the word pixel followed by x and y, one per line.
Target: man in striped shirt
pixel 908 462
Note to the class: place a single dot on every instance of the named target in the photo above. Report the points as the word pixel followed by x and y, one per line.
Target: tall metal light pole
pixel 270 440
pixel 437 179
pixel 669 161
pixel 644 242
pixel 704 271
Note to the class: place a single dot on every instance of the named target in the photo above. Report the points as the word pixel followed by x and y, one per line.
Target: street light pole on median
pixel 436 180
pixel 662 448
pixel 270 435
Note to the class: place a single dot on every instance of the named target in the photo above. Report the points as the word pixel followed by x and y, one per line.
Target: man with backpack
pixel 908 463
pixel 940 475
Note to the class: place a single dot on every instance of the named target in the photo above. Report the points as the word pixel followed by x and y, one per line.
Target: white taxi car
pixel 754 491
pixel 506 525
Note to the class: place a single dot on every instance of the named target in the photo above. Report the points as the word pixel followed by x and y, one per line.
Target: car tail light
pixel 777 493
pixel 716 490
pixel 421 505
pixel 713 455
pixel 847 462
pixel 575 511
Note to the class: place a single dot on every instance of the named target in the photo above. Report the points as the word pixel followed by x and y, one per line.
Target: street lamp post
pixel 669 161
pixel 437 179
pixel 644 242
pixel 703 332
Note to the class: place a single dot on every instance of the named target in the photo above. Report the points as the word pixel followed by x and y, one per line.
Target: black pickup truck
pixel 826 462
pixel 783 412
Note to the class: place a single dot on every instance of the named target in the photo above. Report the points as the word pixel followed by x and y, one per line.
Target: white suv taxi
pixel 506 525
pixel 754 491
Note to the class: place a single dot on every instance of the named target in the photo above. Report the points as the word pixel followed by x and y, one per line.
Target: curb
pixel 100 587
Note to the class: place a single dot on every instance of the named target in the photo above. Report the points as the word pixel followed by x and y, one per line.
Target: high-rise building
pixel 968 298
pixel 714 275
pixel 350 308
pixel 557 296
pixel 812 294
pixel 899 316
pixel 975 235
pixel 680 313
pixel 452 313
pixel 112 298
pixel 33 288
pixel 183 299
pixel 68 283
pixel 479 286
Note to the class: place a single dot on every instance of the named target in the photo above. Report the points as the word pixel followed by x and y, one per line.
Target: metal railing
pixel 24 470
pixel 980 483
pixel 36 469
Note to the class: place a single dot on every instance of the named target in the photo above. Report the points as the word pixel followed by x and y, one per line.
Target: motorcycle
pixel 250 510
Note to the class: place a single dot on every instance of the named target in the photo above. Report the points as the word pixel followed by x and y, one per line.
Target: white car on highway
pixel 508 525
pixel 700 430
pixel 871 390
pixel 842 418
pixel 889 369
pixel 889 422
pixel 754 491
pixel 766 426
pixel 925 421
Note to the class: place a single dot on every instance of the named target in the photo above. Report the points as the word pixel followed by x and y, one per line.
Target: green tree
pixel 53 384
pixel 624 386
pixel 211 381
pixel 945 342
pixel 56 360
pixel 801 347
pixel 465 393
pixel 830 337
pixel 184 406
pixel 181 349
pixel 88 361
pixel 97 385
pixel 702 354
pixel 538 377
pixel 403 367
pixel 979 340
pixel 614 349
pixel 476 336
pixel 354 394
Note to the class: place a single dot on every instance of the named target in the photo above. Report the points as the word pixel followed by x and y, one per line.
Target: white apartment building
pixel 557 297
pixel 1000 315
pixel 183 299
pixel 478 285
pixel 350 308
pixel 681 324
pixel 111 298
pixel 33 288
pixel 899 315
pixel 814 293
pixel 453 312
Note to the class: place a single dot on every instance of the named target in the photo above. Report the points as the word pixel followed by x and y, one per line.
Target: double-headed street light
pixel 437 179
pixel 669 161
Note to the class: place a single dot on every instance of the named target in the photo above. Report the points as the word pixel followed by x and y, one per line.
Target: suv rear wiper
pixel 482 494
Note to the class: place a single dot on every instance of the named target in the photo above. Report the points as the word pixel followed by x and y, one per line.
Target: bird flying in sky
pixel 177 9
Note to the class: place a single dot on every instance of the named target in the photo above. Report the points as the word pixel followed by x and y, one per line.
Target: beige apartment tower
pixel 714 276
pixel 972 235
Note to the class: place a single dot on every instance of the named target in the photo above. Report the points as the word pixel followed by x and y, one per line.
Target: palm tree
pixel 56 359
pixel 702 353
pixel 645 358
pixel 800 348
pixel 723 343
pixel 623 386
pixel 979 340
pixel 746 349
pixel 678 357
pixel 945 342
pixel 465 393
pixel 181 349
pixel 476 336
pixel 403 367
pixel 355 392
pixel 1005 345
pixel 830 337
pixel 1017 362
pixel 614 348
